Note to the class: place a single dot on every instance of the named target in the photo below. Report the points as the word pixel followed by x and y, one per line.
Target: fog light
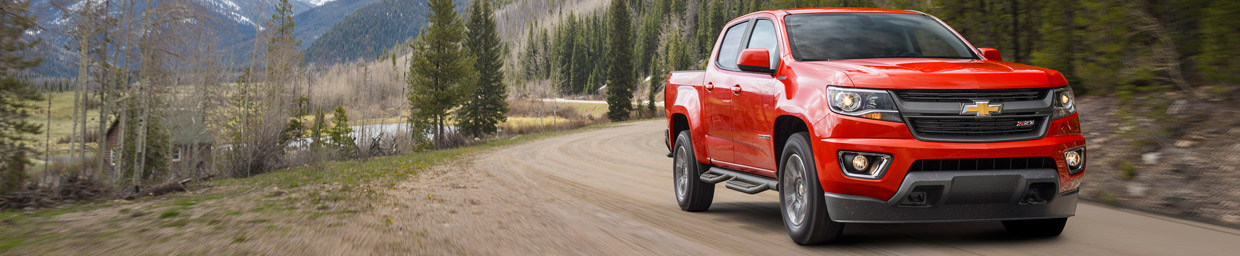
pixel 864 165
pixel 860 163
pixel 1073 158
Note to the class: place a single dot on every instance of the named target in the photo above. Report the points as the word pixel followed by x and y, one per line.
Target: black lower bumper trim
pixel 960 196
pixel 851 210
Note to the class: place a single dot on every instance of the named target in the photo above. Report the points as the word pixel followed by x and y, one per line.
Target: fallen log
pixel 166 188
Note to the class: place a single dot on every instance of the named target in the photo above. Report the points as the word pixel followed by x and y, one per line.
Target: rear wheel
pixel 691 193
pixel 801 201
pixel 1036 228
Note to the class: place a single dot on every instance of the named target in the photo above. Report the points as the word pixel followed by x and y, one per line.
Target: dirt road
pixel 609 191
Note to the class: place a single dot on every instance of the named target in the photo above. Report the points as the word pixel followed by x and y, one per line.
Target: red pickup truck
pixel 874 116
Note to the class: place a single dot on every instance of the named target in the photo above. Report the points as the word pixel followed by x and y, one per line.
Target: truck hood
pixel 918 73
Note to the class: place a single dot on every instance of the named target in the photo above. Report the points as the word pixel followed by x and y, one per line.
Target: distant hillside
pixel 370 30
pixel 314 22
pixel 234 18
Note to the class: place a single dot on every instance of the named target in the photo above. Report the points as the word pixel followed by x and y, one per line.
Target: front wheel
pixel 1036 228
pixel 801 198
pixel 692 194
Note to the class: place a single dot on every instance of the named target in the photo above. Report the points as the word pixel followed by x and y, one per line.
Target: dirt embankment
pixel 1183 166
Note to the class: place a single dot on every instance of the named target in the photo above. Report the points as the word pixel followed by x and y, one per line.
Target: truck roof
pixel 839 10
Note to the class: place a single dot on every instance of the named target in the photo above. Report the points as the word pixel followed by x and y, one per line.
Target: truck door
pixel 719 101
pixel 754 98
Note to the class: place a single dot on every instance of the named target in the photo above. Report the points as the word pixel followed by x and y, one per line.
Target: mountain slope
pixel 314 22
pixel 370 30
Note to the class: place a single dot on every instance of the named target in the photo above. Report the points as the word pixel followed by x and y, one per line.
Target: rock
pixel 1150 158
pixel 1231 218
pixel 1176 107
pixel 1185 143
pixel 1137 189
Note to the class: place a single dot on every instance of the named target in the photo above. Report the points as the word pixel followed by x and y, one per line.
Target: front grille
pixel 1017 163
pixel 946 127
pixel 968 96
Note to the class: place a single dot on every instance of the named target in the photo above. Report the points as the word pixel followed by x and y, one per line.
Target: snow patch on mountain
pixel 317 2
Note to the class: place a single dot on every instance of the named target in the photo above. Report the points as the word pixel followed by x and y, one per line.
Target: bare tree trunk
pixel 1167 58
pixel 143 97
pixel 123 80
pixel 47 143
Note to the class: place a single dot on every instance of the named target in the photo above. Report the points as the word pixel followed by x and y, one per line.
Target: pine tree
pixel 487 103
pixel 316 133
pixel 339 134
pixel 582 64
pixel 532 55
pixel 1058 54
pixel 439 71
pixel 296 126
pixel 17 99
pixel 282 48
pixel 620 78
pixel 1220 36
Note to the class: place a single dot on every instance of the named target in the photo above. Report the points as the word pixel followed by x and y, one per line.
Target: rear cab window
pixel 730 48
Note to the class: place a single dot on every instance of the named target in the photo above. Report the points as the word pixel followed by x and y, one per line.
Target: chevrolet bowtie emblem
pixel 981 108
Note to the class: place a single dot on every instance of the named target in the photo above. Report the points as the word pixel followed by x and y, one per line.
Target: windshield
pixel 836 36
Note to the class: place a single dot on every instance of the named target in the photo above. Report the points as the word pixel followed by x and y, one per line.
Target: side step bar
pixel 740 181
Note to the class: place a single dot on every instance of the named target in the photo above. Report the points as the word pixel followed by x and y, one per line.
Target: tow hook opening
pixel 1038 193
pixel 922 196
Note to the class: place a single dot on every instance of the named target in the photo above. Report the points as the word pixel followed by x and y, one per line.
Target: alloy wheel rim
pixel 794 190
pixel 681 170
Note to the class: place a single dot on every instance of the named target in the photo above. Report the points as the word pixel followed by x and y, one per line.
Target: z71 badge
pixel 1024 123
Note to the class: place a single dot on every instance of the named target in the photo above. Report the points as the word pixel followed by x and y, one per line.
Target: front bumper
pixel 960 196
pixel 854 134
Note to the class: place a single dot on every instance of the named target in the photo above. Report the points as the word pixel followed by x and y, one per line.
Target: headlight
pixel 871 104
pixel 1064 102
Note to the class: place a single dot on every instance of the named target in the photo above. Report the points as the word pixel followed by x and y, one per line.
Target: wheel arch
pixel 785 126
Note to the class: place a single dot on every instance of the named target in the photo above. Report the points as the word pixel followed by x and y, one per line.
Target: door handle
pixel 710 86
pixel 736 89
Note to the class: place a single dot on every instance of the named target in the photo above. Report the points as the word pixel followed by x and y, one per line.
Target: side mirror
pixel 755 60
pixel 991 54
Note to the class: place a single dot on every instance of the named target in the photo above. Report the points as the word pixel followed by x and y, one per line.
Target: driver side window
pixel 763 36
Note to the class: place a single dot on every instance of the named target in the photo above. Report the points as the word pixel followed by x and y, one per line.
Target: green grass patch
pixel 1128 171
pixel 169 214
pixel 10 242
pixel 175 224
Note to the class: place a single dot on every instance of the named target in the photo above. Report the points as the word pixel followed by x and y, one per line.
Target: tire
pixel 692 194
pixel 801 200
pixel 1036 228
